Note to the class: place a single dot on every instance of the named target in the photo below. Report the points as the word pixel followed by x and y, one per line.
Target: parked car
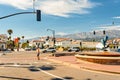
pixel 33 49
pixel 76 49
pixel 118 50
pixel 27 49
pixel 50 49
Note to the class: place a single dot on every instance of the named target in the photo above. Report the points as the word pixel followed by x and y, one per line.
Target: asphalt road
pixel 25 66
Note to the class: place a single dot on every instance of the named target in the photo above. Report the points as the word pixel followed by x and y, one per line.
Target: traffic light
pixel 80 43
pixel 104 32
pixel 47 38
pixel 38 15
pixel 94 32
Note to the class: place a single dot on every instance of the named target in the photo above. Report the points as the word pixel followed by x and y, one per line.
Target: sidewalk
pixel 71 61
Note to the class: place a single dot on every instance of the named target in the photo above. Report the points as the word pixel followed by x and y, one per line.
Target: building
pixel 64 42
pixel 37 43
pixel 3 40
pixel 48 42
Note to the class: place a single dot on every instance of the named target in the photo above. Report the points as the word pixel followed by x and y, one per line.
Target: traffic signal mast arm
pixel 38 14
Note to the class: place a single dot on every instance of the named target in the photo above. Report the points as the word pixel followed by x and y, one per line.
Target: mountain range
pixel 89 36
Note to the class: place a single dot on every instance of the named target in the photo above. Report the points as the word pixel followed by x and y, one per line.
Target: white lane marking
pixel 52 74
pixel 43 62
pixel 15 64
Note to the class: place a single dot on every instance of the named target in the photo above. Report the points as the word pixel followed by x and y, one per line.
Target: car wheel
pixel 69 50
pixel 53 51
pixel 44 51
pixel 76 51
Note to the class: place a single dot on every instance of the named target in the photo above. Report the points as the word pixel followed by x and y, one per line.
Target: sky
pixel 63 16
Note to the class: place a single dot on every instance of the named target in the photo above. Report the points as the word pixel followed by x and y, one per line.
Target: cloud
pixel 65 7
pixel 117 17
pixel 61 33
pixel 110 27
pixel 54 7
pixel 20 4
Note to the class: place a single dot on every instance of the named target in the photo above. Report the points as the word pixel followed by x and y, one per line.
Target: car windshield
pixel 75 47
pixel 50 48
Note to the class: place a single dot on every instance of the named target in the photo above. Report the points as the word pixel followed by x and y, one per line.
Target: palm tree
pixel 23 38
pixel 18 38
pixel 18 44
pixel 9 38
pixel 10 42
pixel 10 31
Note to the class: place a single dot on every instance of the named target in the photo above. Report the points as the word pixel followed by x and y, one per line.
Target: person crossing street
pixel 38 53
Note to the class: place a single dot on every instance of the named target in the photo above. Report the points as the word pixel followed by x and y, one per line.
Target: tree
pixel 27 41
pixel 10 43
pixel 24 45
pixel 9 38
pixel 10 31
pixel 18 38
pixel 23 37
pixel 18 44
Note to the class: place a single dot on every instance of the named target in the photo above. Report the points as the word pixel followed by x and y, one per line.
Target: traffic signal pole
pixel 38 14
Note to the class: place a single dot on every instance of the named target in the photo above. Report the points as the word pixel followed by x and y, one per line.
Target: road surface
pixel 25 66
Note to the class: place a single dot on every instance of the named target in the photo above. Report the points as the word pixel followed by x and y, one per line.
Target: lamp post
pixel 53 32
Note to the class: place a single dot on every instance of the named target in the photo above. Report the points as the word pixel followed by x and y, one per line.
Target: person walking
pixel 38 53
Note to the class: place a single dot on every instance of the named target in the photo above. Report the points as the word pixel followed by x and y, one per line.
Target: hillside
pixel 90 36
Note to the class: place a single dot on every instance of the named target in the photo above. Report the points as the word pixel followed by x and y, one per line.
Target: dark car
pixel 118 50
pixel 51 49
pixel 76 49
pixel 33 48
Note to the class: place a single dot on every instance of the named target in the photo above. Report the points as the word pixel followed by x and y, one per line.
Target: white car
pixel 50 49
pixel 27 49
pixel 76 49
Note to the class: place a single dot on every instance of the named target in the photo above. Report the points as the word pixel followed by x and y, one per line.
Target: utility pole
pixel 33 5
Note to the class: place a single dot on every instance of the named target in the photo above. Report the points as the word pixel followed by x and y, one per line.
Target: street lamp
pixel 53 32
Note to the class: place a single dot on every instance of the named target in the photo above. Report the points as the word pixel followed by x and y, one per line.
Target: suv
pixel 76 49
pixel 51 49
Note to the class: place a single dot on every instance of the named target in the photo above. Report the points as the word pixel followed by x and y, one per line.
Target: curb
pixel 101 70
pixel 81 67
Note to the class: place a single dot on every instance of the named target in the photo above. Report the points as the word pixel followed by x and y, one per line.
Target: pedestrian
pixel 38 53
